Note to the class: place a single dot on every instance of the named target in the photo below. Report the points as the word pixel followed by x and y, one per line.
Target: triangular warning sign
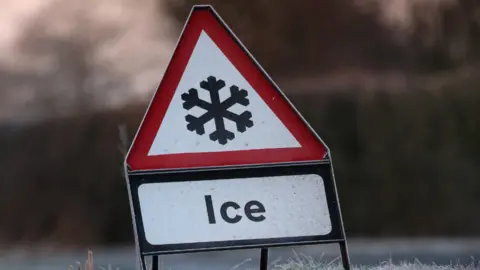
pixel 215 106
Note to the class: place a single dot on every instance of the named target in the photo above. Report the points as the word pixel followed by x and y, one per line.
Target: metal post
pixel 343 243
pixel 155 263
pixel 344 253
pixel 264 259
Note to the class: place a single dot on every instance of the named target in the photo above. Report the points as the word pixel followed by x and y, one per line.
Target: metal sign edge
pixel 227 167
pixel 233 247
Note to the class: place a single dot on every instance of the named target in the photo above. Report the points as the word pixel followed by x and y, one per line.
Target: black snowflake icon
pixel 216 110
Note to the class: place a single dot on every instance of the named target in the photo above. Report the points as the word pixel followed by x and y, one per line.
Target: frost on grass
pixel 89 264
pixel 302 262
pixel 383 266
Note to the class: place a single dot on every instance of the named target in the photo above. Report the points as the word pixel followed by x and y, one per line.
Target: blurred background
pixel 391 86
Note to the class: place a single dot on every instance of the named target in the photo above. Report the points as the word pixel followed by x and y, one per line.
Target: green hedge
pixel 406 164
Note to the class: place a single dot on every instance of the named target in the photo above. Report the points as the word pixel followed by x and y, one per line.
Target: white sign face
pixel 267 130
pixel 234 209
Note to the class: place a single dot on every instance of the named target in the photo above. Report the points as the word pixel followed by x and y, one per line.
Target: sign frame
pixel 322 167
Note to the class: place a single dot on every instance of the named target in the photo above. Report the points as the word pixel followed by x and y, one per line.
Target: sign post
pixel 222 160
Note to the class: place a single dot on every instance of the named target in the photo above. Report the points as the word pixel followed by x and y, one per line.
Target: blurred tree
pixel 72 79
pixel 59 178
pixel 304 37
pixel 407 163
pixel 316 36
pixel 444 35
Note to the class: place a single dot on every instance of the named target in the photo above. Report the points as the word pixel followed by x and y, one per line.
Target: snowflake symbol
pixel 216 110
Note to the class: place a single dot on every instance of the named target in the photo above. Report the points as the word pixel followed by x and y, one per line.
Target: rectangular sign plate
pixel 234 209
pixel 231 208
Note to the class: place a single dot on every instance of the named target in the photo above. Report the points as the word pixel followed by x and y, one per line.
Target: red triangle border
pixel 204 18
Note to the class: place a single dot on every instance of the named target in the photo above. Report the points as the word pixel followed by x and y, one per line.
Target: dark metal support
pixel 264 259
pixel 155 263
pixel 344 252
pixel 143 265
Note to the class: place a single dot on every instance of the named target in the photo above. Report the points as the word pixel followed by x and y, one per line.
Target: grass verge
pixel 303 262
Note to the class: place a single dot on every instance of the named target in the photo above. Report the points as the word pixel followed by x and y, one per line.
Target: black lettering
pixel 259 208
pixel 223 212
pixel 210 212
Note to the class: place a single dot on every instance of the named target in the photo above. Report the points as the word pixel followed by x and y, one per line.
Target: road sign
pixel 216 107
pixel 222 159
